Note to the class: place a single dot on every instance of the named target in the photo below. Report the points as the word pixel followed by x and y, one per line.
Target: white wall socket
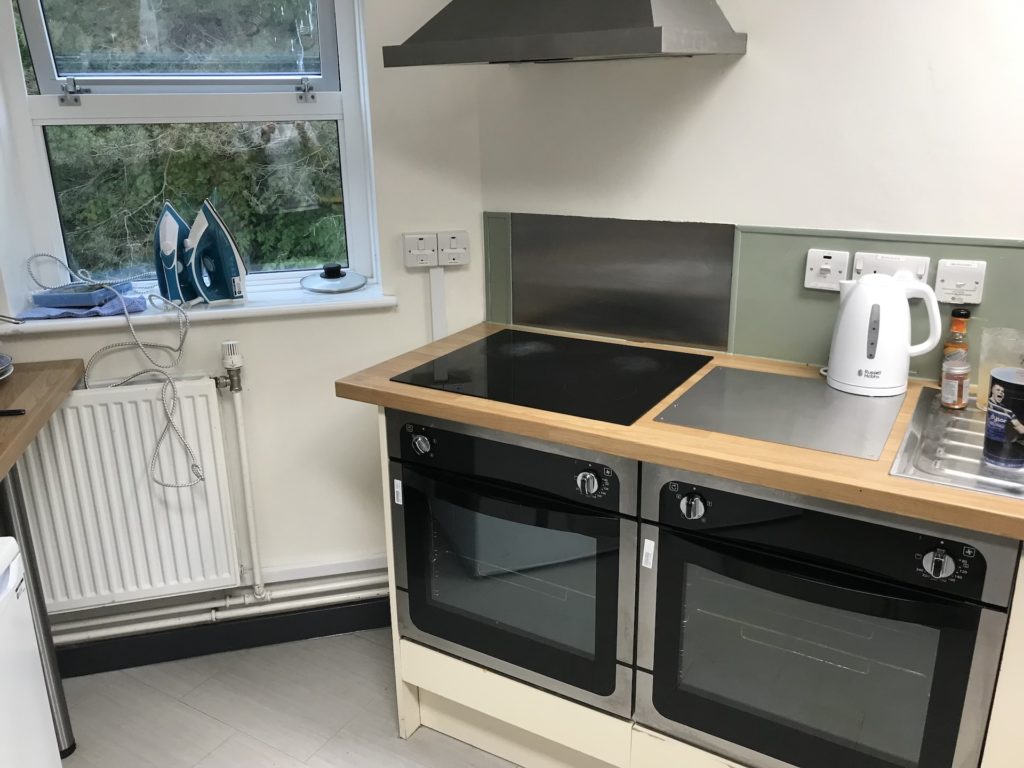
pixel 826 269
pixel 420 250
pixel 890 264
pixel 453 248
pixel 960 282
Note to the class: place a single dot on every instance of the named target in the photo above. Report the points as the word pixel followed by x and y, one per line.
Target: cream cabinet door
pixel 1005 741
pixel 652 750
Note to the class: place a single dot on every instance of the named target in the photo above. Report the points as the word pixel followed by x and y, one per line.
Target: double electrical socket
pixel 436 249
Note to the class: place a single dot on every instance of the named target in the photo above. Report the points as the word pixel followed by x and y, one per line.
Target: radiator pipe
pixel 214 615
pixel 330 585
pixel 231 356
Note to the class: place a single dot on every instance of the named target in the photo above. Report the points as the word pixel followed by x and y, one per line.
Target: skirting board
pixel 187 642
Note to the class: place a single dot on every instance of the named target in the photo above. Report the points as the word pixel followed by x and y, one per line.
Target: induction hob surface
pixel 596 380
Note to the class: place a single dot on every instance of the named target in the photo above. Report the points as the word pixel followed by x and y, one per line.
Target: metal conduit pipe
pixel 214 615
pixel 333 584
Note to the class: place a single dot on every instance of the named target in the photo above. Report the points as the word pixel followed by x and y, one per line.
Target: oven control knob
pixel 421 444
pixel 693 506
pixel 587 483
pixel 939 565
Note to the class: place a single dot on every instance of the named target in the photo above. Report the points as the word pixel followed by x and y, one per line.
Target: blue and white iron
pixel 169 247
pixel 213 266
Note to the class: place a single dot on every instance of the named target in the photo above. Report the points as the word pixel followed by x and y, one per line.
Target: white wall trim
pixel 281 573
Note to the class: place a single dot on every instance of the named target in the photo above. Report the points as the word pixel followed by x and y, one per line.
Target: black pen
pixel 13 412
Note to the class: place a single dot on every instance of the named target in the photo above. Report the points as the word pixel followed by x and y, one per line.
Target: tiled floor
pixel 326 703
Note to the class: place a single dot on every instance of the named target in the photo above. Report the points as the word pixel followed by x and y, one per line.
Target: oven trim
pixel 627 470
pixel 1001 554
pixel 618 703
pixel 978 698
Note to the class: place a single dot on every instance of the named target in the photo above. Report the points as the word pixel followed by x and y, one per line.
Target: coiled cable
pixel 169 398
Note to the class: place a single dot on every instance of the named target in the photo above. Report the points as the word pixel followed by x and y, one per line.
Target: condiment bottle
pixel 955 347
pixel 956 384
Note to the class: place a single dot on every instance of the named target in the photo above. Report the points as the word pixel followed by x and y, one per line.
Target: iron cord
pixel 169 398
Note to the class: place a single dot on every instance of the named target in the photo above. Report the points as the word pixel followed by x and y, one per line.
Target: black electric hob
pixel 597 380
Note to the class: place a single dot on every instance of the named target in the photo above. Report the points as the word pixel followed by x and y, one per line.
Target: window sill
pixel 261 303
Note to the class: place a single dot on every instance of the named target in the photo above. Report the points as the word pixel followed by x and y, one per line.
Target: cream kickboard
pixel 652 750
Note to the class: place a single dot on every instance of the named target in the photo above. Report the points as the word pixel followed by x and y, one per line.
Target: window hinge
pixel 71 93
pixel 306 93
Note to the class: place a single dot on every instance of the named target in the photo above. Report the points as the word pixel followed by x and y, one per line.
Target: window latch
pixel 71 93
pixel 307 95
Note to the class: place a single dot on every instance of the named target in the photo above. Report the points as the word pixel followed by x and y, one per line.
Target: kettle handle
pixel 924 291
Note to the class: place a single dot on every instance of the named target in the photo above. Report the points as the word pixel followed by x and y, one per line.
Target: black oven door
pixel 520 579
pixel 807 666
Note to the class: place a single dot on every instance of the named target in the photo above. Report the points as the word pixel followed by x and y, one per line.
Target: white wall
pixel 873 115
pixel 315 459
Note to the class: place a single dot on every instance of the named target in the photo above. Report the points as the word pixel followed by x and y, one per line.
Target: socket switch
pixel 420 250
pixel 453 248
pixel 960 282
pixel 890 264
pixel 826 269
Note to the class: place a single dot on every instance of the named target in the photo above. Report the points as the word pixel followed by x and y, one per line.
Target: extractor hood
pixel 502 31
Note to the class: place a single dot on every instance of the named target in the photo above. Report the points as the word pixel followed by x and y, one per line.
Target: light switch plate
pixel 420 250
pixel 453 248
pixel 826 269
pixel 960 282
pixel 889 264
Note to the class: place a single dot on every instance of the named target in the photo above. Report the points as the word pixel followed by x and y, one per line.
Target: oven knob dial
pixel 693 506
pixel 938 564
pixel 421 444
pixel 587 483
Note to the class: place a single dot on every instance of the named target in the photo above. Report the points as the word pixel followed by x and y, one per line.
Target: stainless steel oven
pixel 517 555
pixel 779 630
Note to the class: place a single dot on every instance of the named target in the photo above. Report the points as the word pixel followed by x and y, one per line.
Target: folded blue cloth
pixel 135 305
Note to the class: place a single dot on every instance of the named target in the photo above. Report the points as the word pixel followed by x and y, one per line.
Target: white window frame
pixel 243 101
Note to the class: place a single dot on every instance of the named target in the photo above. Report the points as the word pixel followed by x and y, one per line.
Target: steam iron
pixel 169 248
pixel 213 266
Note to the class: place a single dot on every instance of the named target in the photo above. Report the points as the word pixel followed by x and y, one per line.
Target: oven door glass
pixel 520 577
pixel 809 666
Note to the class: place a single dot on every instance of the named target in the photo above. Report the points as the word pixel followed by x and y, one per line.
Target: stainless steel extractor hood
pixel 502 31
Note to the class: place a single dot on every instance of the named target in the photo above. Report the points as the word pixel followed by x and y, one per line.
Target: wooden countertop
pixel 796 470
pixel 39 388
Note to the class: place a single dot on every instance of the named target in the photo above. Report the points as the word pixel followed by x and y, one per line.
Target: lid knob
pixel 332 272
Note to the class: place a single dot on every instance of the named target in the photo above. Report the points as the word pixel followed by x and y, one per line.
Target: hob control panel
pixel 830 540
pixel 570 478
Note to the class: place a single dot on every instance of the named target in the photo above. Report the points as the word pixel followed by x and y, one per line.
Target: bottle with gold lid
pixel 956 344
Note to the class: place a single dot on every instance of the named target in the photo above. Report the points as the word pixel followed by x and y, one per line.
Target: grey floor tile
pixel 241 751
pixel 120 722
pixel 179 678
pixel 324 703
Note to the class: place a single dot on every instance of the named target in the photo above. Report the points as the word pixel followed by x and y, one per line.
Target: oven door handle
pixel 824 586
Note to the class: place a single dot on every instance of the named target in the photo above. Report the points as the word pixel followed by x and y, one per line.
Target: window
pixel 234 100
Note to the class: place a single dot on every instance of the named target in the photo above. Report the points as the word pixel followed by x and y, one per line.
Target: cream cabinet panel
pixel 1005 743
pixel 652 750
pixel 572 725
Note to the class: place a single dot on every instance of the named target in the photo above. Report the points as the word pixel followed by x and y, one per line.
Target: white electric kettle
pixel 871 344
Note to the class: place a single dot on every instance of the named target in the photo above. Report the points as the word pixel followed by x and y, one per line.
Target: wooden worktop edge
pixel 795 470
pixel 40 388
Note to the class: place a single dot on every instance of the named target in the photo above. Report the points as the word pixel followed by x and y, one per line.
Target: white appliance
pixel 27 737
pixel 871 344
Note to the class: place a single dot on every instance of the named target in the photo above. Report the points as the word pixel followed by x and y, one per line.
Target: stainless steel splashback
pixel 657 280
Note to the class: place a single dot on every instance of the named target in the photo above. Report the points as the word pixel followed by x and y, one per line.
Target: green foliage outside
pixel 277 185
pixel 184 36
pixel 31 85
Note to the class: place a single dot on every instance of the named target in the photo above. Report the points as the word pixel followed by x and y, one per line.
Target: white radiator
pixel 104 531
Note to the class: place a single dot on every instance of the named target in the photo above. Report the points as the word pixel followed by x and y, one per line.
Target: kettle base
pixel 860 389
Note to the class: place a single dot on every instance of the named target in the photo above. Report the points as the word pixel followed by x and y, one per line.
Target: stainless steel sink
pixel 945 447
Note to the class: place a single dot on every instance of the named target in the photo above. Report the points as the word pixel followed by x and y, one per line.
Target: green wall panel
pixel 776 317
